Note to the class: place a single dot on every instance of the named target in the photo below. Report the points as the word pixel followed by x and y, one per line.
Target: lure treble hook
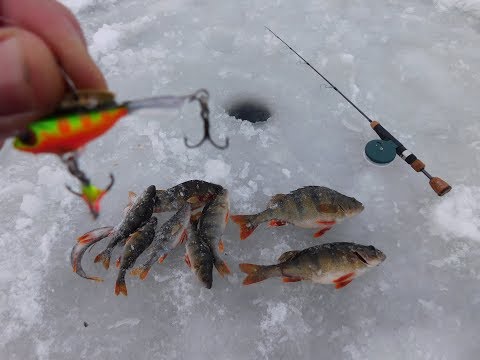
pixel 91 194
pixel 202 97
pixel 170 102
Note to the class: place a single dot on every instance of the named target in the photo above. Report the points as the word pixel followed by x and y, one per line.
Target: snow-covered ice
pixel 413 64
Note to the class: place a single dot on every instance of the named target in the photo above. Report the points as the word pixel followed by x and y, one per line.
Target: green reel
pixel 381 152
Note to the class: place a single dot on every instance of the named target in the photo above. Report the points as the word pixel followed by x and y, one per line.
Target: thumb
pixel 30 85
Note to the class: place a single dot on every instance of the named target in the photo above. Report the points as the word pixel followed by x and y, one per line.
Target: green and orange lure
pixel 84 116
pixel 67 133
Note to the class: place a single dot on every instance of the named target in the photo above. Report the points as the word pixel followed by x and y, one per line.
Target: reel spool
pixel 381 152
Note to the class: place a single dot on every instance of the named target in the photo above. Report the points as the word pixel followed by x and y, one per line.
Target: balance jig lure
pixel 85 115
pixel 383 151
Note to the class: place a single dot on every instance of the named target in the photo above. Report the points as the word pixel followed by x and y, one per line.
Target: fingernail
pixel 16 96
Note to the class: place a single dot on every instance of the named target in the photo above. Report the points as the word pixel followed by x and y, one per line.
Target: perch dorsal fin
pixel 289 255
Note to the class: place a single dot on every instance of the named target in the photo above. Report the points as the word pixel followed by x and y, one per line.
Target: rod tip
pixel 439 186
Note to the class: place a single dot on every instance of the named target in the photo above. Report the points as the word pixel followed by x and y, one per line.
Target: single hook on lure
pixel 83 116
pixel 384 150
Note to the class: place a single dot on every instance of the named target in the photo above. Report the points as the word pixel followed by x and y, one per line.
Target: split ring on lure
pixel 85 115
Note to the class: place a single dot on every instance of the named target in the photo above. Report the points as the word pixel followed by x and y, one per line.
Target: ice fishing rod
pixel 383 151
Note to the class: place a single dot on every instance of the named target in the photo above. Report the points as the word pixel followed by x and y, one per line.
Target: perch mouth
pixel 249 109
pixel 372 257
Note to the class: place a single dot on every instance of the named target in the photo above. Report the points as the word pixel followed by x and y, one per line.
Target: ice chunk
pixel 347 58
pixel 217 170
pixel 105 40
pixel 31 205
pixel 471 6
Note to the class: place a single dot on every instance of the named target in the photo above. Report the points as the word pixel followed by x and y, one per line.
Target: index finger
pixel 59 29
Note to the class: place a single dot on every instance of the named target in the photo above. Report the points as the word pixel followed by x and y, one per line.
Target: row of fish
pixel 138 233
pixel 201 215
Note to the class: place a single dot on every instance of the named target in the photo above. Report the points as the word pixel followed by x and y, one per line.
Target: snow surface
pixel 412 64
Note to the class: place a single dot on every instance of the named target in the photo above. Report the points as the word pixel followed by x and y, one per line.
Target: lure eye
pixel 28 137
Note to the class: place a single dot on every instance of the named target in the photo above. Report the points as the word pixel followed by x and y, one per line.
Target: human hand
pixel 37 37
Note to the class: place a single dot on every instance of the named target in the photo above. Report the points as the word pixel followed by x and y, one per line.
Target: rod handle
pixel 440 186
pixel 417 165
